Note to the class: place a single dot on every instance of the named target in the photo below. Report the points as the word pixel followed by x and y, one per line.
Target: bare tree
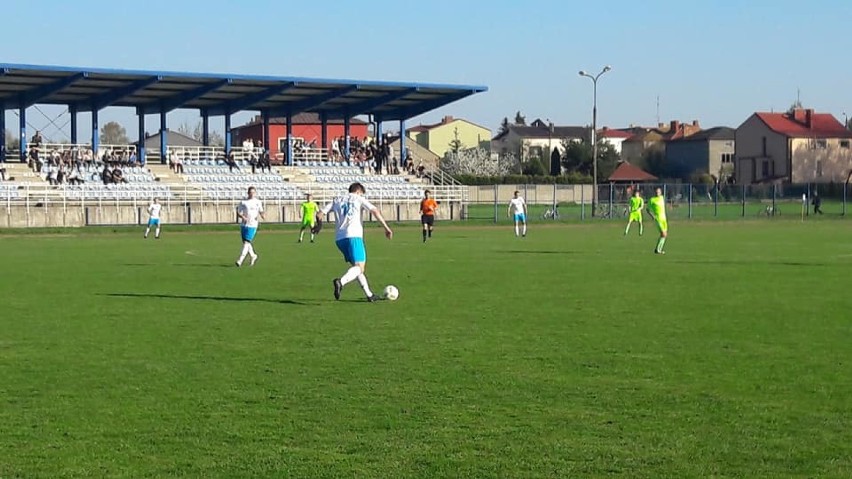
pixel 113 133
pixel 479 162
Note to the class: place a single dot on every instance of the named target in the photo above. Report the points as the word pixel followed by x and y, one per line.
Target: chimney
pixel 448 119
pixel 809 117
pixel 799 115
pixel 674 126
pixel 694 122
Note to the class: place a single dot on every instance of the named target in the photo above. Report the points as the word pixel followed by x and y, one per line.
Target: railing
pixel 48 148
pixel 440 177
pixel 306 155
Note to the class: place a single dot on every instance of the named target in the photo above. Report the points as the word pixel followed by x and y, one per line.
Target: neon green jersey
pixel 657 207
pixel 309 209
pixel 636 204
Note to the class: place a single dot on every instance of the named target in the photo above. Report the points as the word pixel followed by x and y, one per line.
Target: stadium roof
pixel 218 94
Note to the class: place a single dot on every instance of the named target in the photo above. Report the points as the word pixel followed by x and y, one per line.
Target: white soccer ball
pixel 391 293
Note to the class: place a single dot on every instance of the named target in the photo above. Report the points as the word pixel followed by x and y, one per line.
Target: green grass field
pixel 572 353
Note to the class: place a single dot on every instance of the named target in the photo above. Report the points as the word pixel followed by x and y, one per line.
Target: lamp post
pixel 594 79
pixel 550 145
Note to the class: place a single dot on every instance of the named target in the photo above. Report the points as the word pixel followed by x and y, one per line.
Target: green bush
pixel 569 179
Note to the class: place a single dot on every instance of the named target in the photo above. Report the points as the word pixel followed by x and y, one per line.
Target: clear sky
pixel 714 61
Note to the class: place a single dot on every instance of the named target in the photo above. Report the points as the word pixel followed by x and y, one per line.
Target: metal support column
pixel 164 138
pixel 324 132
pixel 22 132
pixel 227 133
pixel 141 150
pixel 72 109
pixel 379 131
pixel 402 148
pixel 289 139
pixel 96 140
pixel 205 128
pixel 266 142
pixel 2 133
pixel 346 132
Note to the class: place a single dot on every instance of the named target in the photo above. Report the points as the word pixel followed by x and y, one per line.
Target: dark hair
pixel 355 187
pixel 427 192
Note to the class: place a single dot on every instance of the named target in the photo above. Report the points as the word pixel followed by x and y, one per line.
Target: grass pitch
pixel 575 352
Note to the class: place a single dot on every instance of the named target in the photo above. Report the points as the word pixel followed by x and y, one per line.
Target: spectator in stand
pixel 266 162
pixel 36 140
pixel 420 169
pixel 179 164
pixel 335 149
pixel 173 161
pixel 106 174
pixel 231 161
pixel 132 159
pixel 409 163
pixel 52 178
pixel 118 176
pixel 2 174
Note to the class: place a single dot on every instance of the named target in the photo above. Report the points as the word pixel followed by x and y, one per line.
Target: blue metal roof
pixel 218 94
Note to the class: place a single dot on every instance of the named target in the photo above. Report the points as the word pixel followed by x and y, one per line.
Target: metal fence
pixel 685 201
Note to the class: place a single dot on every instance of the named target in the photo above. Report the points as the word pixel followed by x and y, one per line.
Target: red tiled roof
pixel 821 125
pixel 610 133
pixel 628 172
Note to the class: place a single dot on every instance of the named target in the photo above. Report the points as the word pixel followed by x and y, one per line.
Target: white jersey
pixel 251 208
pixel 154 211
pixel 347 211
pixel 518 205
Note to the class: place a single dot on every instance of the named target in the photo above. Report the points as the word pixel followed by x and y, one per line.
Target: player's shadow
pixel 795 264
pixel 206 298
pixel 545 252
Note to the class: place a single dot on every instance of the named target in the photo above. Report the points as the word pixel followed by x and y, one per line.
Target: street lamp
pixel 549 161
pixel 594 79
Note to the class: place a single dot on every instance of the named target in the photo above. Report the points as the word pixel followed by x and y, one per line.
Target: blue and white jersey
pixel 154 211
pixel 347 211
pixel 251 208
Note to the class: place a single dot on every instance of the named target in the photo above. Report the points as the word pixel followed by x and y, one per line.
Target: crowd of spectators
pixel 73 165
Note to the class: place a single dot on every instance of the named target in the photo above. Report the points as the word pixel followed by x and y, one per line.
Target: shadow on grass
pixel 184 265
pixel 205 298
pixel 538 252
pixel 795 264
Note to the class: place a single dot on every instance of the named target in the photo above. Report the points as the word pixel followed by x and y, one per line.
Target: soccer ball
pixel 391 293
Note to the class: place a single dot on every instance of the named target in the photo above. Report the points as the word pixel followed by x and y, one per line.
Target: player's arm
pixel 525 208
pixel 378 214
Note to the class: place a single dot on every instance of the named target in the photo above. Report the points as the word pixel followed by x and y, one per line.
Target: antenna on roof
pixel 658 109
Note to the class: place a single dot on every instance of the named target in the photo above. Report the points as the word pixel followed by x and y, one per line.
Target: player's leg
pixel 157 231
pixel 147 230
pixel 663 235
pixel 351 274
pixel 312 227
pixel 629 222
pixel 517 226
pixel 641 226
pixel 431 225
pixel 524 221
pixel 424 226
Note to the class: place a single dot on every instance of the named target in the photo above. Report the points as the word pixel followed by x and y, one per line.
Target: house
pixel 627 173
pixel 418 153
pixel 438 137
pixel 614 137
pixel 638 146
pixel 307 128
pixel 173 139
pixel 709 151
pixel 800 146
pixel 537 140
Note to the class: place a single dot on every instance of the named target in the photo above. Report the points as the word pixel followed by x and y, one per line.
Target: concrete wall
pixel 56 215
pixel 533 194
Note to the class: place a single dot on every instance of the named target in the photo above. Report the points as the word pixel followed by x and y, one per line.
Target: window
pixel 765 169
pixel 844 144
pixel 727 158
pixel 820 144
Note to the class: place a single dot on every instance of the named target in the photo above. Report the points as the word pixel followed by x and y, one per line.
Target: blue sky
pixel 712 61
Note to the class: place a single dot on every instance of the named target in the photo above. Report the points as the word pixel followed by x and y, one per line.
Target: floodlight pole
pixel 594 134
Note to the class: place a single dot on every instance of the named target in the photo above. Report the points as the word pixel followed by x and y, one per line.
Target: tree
pixel 655 163
pixel 455 144
pixel 216 139
pixel 520 119
pixel 504 126
pixel 196 132
pixel 534 167
pixel 12 141
pixel 114 134
pixel 479 162
pixel 577 158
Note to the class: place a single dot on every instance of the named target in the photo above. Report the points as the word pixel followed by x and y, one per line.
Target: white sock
pixel 301 235
pixel 245 251
pixel 350 275
pixel 525 229
pixel 362 280
pixel 147 230
pixel 156 233
pixel 251 250
pixel 516 229
pixel 312 236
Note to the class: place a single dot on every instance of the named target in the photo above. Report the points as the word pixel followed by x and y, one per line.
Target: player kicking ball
pixel 309 218
pixel 428 207
pixel 250 212
pixel 637 204
pixel 154 218
pixel 349 237
pixel 518 211
pixel 657 210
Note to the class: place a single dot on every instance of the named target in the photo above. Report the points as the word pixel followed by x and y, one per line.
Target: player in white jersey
pixel 249 211
pixel 154 218
pixel 349 236
pixel 518 210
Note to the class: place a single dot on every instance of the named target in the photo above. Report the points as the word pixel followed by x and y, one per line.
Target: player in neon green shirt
pixel 637 204
pixel 657 210
pixel 309 217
